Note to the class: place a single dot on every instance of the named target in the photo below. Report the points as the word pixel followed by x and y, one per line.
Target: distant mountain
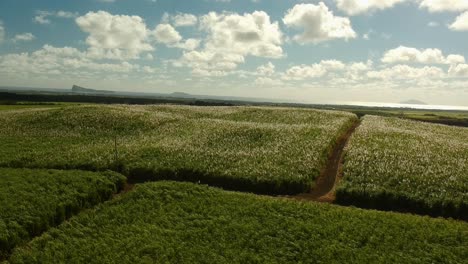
pixel 181 95
pixel 176 95
pixel 413 102
pixel 79 89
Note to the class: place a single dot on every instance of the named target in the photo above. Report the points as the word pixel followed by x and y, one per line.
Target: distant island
pixel 79 89
pixel 413 102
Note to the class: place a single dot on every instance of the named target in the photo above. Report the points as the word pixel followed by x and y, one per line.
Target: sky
pixel 305 51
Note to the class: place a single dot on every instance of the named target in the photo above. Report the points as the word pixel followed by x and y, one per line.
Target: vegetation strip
pixel 32 201
pixel 167 222
pixel 260 150
pixel 401 165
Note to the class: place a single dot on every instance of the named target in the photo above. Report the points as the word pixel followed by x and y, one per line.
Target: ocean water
pixel 411 106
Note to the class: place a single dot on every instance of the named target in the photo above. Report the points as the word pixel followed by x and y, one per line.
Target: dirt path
pixel 128 187
pixel 324 190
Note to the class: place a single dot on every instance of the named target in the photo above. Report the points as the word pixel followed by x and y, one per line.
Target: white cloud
pixel 455 59
pixel 24 37
pixel 231 37
pixel 356 71
pixel 268 82
pixel 52 61
pixel 166 34
pixel 266 69
pixel 66 14
pixel 407 72
pixel 444 5
pixel 461 23
pixel 304 72
pixel 356 7
pixel 189 44
pixel 43 17
pixel 459 70
pixel 210 61
pixel 2 32
pixel 317 70
pixel 248 34
pixel 424 56
pixel 115 36
pixel 319 24
pixel 184 20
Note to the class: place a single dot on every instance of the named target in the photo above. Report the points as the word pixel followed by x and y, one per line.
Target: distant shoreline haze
pixel 402 105
pixel 411 104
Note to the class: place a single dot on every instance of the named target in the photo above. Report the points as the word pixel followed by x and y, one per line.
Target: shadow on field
pixel 142 175
pixel 387 201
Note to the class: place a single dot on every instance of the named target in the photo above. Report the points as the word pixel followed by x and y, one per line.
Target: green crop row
pixel 32 201
pixel 262 150
pixel 168 222
pixel 396 164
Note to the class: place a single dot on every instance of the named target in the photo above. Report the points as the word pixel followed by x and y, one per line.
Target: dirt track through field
pixel 128 187
pixel 324 189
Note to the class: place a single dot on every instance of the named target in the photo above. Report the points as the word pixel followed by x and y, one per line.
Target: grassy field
pixel 20 107
pixel 405 165
pixel 262 150
pixel 447 117
pixel 31 201
pixel 169 222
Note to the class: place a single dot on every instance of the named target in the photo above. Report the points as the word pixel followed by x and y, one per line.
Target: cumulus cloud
pixel 407 72
pixel 2 32
pixel 115 36
pixel 316 70
pixel 424 56
pixel 267 81
pixel 319 24
pixel 208 63
pixel 180 19
pixel 43 17
pixel 24 37
pixel 459 70
pixel 356 7
pixel 444 5
pixel 189 44
pixel 230 38
pixel 461 23
pixel 51 60
pixel 167 34
pixel 248 34
pixel 266 69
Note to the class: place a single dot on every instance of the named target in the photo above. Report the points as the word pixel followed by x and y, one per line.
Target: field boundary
pixel 325 185
pixel 394 202
pixel 383 193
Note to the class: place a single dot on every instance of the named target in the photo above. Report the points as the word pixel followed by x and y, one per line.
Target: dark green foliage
pixel 31 201
pixel 261 150
pixel 401 165
pixel 169 222
pixel 400 202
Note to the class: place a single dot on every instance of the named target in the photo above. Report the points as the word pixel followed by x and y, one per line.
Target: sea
pixel 410 106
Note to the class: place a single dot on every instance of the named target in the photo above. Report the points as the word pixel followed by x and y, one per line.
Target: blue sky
pixel 307 51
